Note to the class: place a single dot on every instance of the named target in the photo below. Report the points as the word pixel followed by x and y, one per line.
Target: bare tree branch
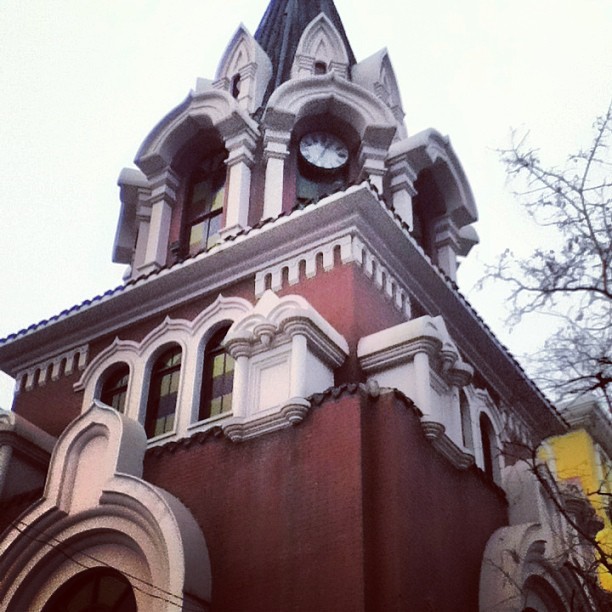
pixel 572 279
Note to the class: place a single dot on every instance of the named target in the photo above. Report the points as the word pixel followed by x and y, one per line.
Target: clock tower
pixel 288 404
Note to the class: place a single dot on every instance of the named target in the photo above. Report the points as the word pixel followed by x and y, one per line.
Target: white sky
pixel 82 82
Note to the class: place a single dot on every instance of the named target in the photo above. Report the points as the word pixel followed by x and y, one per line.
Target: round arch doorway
pixel 94 590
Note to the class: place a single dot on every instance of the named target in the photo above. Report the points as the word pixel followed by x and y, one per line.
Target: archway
pixel 95 590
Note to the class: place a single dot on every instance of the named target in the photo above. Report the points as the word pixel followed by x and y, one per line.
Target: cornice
pixel 358 211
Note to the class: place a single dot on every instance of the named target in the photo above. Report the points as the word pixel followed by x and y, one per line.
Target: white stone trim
pixel 244 57
pixel 191 336
pixel 320 42
pixel 376 74
pixel 420 359
pixel 436 433
pixel 36 376
pixel 281 339
pixel 352 249
pixel 97 511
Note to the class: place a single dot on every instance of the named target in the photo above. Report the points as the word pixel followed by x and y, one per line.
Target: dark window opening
pixel 427 206
pixel 315 184
pixel 217 378
pixel 163 393
pixel 487 436
pixel 94 590
pixel 114 387
pixel 235 89
pixel 466 421
pixel 320 68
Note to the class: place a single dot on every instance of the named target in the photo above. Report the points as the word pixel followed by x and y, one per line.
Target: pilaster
pixel 276 151
pixel 241 147
pixel 164 188
pixel 402 178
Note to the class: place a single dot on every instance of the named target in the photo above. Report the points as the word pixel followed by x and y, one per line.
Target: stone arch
pixel 330 104
pixel 376 74
pixel 296 99
pixel 191 336
pixel 516 565
pixel 429 150
pixel 320 43
pixel 97 512
pixel 210 108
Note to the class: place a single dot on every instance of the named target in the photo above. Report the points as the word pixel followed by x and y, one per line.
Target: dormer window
pixel 204 206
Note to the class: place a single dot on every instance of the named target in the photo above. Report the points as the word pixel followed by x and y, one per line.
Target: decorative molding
pixel 351 249
pixel 88 502
pixel 64 364
pixel 246 60
pixel 284 352
pixel 320 42
pixel 399 344
pixel 435 433
pixel 292 412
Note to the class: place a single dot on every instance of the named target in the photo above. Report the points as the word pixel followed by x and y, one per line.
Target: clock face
pixel 324 150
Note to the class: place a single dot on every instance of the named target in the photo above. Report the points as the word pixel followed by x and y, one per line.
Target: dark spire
pixel 282 26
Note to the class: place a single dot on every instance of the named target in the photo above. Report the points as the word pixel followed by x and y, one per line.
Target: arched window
pixel 487 437
pixel 94 590
pixel 163 392
pixel 466 421
pixel 217 378
pixel 204 206
pixel 113 391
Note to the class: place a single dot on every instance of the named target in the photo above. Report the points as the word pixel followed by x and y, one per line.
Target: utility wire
pixel 58 545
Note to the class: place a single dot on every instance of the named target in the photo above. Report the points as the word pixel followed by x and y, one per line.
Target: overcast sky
pixel 82 82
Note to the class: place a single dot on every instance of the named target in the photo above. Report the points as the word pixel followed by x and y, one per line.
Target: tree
pixel 571 279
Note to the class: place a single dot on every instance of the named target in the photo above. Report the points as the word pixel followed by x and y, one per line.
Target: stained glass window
pixel 114 387
pixel 205 203
pixel 217 378
pixel 163 393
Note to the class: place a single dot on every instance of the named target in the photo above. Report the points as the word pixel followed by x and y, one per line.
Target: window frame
pixel 211 171
pixel 156 377
pixel 109 374
pixel 212 350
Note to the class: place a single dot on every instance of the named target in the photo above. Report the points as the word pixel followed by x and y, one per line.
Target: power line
pixel 58 545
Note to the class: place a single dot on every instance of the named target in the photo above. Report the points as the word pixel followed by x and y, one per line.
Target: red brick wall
pixel 281 514
pixel 351 510
pixel 52 406
pixel 352 304
pixel 426 522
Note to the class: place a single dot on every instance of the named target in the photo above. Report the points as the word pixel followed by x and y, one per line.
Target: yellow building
pixel 582 457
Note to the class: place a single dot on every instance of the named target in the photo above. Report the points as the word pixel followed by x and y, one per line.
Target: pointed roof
pixel 282 26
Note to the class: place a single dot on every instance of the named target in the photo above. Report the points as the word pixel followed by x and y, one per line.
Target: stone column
pixel 372 162
pixel 402 187
pixel 241 381
pixel 241 147
pixel 299 355
pixel 422 382
pixel 164 187
pixel 447 246
pixel 275 152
